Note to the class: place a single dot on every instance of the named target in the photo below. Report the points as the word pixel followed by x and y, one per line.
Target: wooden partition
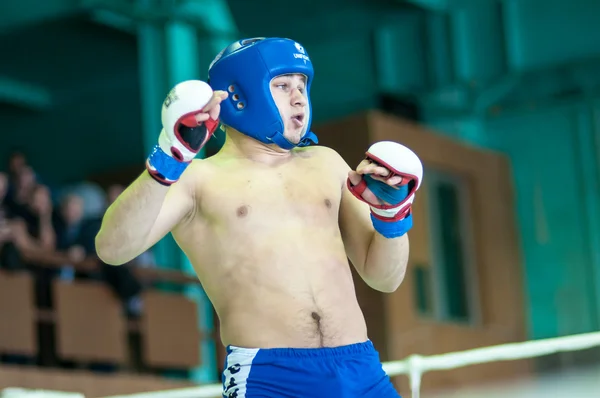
pixel 17 314
pixel 496 282
pixel 90 326
pixel 170 333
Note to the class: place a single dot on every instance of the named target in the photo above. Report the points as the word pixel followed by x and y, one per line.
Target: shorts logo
pixel 230 386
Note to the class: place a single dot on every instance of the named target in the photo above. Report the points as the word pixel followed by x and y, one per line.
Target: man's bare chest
pixel 303 192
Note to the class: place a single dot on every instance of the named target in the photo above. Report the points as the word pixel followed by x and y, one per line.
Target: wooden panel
pixel 90 326
pixel 170 334
pixel 348 136
pixel 497 259
pixel 17 314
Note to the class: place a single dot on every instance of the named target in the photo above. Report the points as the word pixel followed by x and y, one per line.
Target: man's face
pixel 16 162
pixel 72 209
pixel 289 94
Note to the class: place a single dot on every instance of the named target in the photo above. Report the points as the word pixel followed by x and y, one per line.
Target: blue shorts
pixel 352 371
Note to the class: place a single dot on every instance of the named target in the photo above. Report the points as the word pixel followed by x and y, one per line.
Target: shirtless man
pixel 270 222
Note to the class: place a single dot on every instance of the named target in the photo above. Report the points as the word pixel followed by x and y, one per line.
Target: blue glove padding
pixel 385 192
pixel 163 168
pixel 392 229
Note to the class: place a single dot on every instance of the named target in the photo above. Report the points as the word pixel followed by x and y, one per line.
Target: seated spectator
pixel 16 161
pixel 92 194
pixel 4 212
pixel 9 256
pixel 73 233
pixel 32 235
pixel 36 231
pixel 22 185
pixel 26 221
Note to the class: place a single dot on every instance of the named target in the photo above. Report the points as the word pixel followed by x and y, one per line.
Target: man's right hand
pixel 190 115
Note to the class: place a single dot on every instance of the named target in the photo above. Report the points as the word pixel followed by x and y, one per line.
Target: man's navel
pixel 242 211
pixel 316 317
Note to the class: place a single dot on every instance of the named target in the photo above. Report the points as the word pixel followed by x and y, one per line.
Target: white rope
pixel 414 366
pixel 504 352
pixel 207 391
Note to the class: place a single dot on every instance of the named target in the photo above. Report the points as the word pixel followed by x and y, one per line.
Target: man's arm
pixel 164 194
pixel 143 214
pixel 381 262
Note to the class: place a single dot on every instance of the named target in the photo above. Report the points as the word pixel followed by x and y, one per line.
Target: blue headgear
pixel 245 69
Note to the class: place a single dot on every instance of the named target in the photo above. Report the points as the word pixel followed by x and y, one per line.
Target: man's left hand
pixel 387 180
pixel 377 172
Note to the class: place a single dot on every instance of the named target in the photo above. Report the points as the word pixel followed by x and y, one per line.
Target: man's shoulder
pixel 196 166
pixel 196 172
pixel 204 165
pixel 322 151
pixel 330 160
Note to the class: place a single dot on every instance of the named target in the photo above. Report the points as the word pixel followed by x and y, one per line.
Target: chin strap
pixel 309 138
pixel 282 142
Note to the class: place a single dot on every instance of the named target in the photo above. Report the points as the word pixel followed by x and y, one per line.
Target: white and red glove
pixel 392 215
pixel 184 133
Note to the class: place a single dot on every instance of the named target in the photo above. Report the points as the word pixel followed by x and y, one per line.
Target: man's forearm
pixel 128 221
pixel 386 262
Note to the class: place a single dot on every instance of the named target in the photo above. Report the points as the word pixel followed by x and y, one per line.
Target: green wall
pixel 554 154
pixel 95 132
pixel 523 78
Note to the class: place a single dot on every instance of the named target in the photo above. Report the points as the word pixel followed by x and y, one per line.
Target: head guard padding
pixel 245 69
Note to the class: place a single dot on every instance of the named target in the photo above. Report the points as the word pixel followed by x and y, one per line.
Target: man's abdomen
pixel 286 287
pixel 302 319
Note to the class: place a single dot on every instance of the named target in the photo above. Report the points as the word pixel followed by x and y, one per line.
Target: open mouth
pixel 298 119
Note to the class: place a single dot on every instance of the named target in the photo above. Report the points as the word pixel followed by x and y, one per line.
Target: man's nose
pixel 298 99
